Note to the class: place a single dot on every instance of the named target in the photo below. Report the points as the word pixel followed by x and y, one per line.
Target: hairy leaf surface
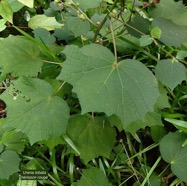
pixel 32 108
pixel 127 89
pixel 93 138
pixel 170 73
pixel 19 56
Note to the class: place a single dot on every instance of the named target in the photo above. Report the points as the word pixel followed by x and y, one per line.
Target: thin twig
pixel 114 41
pixel 104 20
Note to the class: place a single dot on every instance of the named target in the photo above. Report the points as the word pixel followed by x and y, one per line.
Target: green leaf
pixel 29 3
pixel 44 36
pixel 88 3
pixel 93 176
pixel 151 119
pixel 162 101
pixel 181 125
pixel 63 34
pixel 171 34
pixel 169 9
pixel 32 108
pixel 181 54
pixel 77 26
pixel 157 133
pixel 172 152
pixel 156 32
pixel 15 5
pixel 170 73
pixel 20 56
pixel 42 21
pixel 9 164
pixel 145 40
pixel 138 26
pixel 16 142
pixel 93 137
pixel 6 11
pixel 127 89
pixel 116 122
pixel 2 24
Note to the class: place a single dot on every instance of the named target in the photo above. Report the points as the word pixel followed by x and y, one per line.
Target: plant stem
pixel 103 22
pixel 114 41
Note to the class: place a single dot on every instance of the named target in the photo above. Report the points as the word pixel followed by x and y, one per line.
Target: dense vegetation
pixel 93 92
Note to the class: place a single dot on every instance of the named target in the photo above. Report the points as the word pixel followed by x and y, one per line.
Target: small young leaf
pixel 102 85
pixel 93 138
pixel 6 11
pixel 20 56
pixel 172 152
pixel 48 114
pixel 170 73
pixel 93 176
pixel 9 164
pixel 156 32
pixel 42 21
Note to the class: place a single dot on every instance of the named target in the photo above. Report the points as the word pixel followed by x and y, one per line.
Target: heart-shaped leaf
pixel 127 89
pixel 170 73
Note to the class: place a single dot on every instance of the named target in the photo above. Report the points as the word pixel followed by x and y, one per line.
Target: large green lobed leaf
pixel 20 56
pixel 127 89
pixel 35 110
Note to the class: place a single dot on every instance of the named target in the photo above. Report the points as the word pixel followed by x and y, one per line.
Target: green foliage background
pixel 95 92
